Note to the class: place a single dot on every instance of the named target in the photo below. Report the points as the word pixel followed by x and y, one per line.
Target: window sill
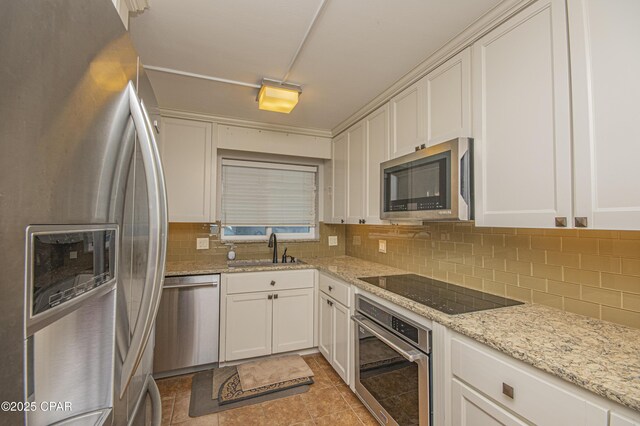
pixel 266 240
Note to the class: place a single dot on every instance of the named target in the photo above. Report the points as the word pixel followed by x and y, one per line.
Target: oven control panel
pixel 404 328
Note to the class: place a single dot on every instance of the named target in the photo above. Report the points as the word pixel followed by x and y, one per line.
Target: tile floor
pixel 328 402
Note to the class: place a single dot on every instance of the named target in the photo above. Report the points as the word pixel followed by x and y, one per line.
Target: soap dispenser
pixel 231 254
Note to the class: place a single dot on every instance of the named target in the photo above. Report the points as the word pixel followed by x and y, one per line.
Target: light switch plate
pixel 202 243
pixel 382 246
pixel 333 240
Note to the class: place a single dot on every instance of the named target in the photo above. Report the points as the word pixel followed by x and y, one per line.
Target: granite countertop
pixel 173 269
pixel 599 356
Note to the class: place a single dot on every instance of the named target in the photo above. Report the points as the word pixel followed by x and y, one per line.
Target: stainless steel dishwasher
pixel 187 326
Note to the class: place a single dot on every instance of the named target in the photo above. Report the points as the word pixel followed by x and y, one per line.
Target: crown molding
pixel 239 122
pixel 136 6
pixel 466 38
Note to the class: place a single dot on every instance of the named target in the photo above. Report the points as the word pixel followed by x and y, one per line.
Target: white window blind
pixel 271 194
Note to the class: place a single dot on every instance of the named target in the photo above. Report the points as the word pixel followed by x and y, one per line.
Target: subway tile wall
pixel 593 273
pixel 181 245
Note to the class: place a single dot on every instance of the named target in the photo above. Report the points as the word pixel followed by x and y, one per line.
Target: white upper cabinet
pixel 521 120
pixel 355 173
pixel 407 120
pixel 605 37
pixel 376 142
pixel 339 151
pixel 188 159
pixel 448 99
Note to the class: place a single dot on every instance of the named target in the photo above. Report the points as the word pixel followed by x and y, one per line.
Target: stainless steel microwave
pixel 433 183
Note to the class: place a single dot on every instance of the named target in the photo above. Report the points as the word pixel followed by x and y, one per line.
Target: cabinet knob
pixel 273 282
pixel 330 288
pixel 580 222
pixel 507 390
pixel 330 302
pixel 364 221
pixel 270 296
pixel 561 222
pixel 341 220
pixel 275 296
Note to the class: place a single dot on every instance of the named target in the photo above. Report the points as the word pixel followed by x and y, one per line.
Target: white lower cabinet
pixel 488 387
pixel 292 320
pixel 619 420
pixel 261 314
pixel 248 325
pixel 334 323
pixel 471 408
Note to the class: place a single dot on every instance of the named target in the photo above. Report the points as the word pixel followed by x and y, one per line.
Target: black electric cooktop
pixel 448 298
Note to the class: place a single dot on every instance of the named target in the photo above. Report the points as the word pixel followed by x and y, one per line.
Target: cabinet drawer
pixel 534 398
pixel 249 282
pixel 338 290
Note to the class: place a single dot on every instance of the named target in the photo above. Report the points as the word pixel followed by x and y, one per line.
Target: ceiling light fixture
pixel 277 96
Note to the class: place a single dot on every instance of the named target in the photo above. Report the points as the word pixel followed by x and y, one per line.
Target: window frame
pixel 307 236
pixel 312 235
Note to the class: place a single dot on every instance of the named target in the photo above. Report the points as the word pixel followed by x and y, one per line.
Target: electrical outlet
pixel 73 255
pixel 382 246
pixel 333 240
pixel 202 243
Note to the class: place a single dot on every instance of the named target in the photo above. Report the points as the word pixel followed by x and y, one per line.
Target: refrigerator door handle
pixel 149 388
pixel 156 402
pixel 157 201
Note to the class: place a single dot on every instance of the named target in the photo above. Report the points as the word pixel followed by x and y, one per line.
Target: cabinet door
pixel 248 325
pixel 355 173
pixel 522 121
pixel 292 320
pixel 604 37
pixel 470 408
pixel 408 120
pixel 325 326
pixel 341 342
pixel 376 142
pixel 448 99
pixel 339 179
pixel 618 420
pixel 188 160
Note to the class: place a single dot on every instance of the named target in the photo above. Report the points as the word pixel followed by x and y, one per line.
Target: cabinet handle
pixel 273 282
pixel 561 222
pixel 330 288
pixel 507 390
pixel 330 302
pixel 275 296
pixel 270 296
pixel 364 221
pixel 580 222
pixel 341 220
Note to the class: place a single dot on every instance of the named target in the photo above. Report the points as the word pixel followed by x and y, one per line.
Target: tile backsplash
pixel 594 273
pixel 181 245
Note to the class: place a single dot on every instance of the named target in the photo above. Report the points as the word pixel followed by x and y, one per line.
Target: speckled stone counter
pixel 201 268
pixel 601 357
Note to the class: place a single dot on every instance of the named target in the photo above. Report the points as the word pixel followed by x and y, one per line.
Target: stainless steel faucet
pixel 273 242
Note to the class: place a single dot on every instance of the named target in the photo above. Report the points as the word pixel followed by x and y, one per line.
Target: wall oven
pixel 392 365
pixel 433 183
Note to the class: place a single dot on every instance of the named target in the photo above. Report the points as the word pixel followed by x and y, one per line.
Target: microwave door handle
pixel 404 349
pixel 156 194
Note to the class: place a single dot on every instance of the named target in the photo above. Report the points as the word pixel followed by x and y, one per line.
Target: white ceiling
pixel 356 49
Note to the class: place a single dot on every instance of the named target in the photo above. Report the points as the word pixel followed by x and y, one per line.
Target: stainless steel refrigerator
pixel 83 218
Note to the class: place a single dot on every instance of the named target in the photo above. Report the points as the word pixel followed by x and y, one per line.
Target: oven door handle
pixel 410 353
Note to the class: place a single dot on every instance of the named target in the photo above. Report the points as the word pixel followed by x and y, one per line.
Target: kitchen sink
pixel 256 263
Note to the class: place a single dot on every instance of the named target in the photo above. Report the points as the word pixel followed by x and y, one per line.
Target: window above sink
pixel 261 198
